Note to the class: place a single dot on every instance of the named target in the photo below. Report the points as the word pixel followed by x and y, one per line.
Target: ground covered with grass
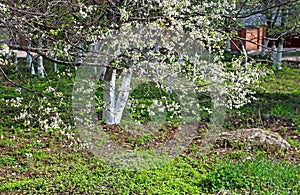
pixel 36 159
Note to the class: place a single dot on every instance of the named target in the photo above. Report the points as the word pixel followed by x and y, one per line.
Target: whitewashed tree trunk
pixel 29 63
pixel 55 64
pixel 79 54
pixel 245 54
pixel 284 21
pixel 113 108
pixel 6 52
pixel 264 48
pixel 274 53
pixel 228 45
pixel 279 56
pixel 278 20
pixel 40 67
pixel 16 61
pixel 123 94
pixel 109 97
pixel 41 73
pixel 95 70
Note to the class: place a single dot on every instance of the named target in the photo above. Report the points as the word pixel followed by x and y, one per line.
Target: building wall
pixel 254 37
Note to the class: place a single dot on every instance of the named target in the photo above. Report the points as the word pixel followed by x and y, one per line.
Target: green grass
pixel 297 53
pixel 278 98
pixel 82 174
pixel 34 161
pixel 284 82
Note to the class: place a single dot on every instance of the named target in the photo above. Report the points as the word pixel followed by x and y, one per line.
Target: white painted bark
pixel 245 54
pixel 29 63
pixel 279 56
pixel 41 73
pixel 279 20
pixel 228 45
pixel 95 70
pixel 16 61
pixel 113 108
pixel 79 53
pixel 40 67
pixel 108 115
pixel 274 53
pixel 284 21
pixel 6 51
pixel 55 64
pixel 94 48
pixel 123 94
pixel 28 60
pixel 264 48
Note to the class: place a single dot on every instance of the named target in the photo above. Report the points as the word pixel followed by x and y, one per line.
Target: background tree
pixel 280 17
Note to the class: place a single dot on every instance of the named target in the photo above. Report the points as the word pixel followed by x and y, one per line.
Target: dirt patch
pixel 292 59
pixel 273 141
pixel 131 140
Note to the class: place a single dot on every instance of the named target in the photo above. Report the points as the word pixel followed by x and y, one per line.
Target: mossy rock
pixel 253 138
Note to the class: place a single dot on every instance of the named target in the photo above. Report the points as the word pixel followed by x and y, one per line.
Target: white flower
pixel 50 89
pixel 83 13
pixel 161 109
pixel 29 155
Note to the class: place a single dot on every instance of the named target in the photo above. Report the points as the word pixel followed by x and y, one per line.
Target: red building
pixel 250 37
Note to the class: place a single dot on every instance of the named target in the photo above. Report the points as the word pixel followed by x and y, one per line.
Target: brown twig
pixel 16 84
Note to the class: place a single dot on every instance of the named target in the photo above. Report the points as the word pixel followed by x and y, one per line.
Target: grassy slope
pixel 47 162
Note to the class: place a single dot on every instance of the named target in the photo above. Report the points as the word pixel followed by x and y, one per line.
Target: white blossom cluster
pixel 41 114
pixel 238 83
pixel 3 61
pixel 3 8
pixel 17 102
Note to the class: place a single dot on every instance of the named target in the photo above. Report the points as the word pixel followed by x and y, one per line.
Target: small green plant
pixel 293 143
pixel 7 160
pixel 144 139
pixel 281 110
pixel 257 175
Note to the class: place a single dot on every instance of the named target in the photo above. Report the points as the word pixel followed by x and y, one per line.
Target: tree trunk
pixel 40 67
pixel 55 64
pixel 109 97
pixel 280 50
pixel 123 94
pixel 7 51
pixel 228 45
pixel 16 61
pixel 264 48
pixel 113 109
pixel 79 53
pixel 245 53
pixel 274 53
pixel 41 73
pixel 29 63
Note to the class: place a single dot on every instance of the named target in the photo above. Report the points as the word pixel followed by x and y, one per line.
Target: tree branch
pixel 16 84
